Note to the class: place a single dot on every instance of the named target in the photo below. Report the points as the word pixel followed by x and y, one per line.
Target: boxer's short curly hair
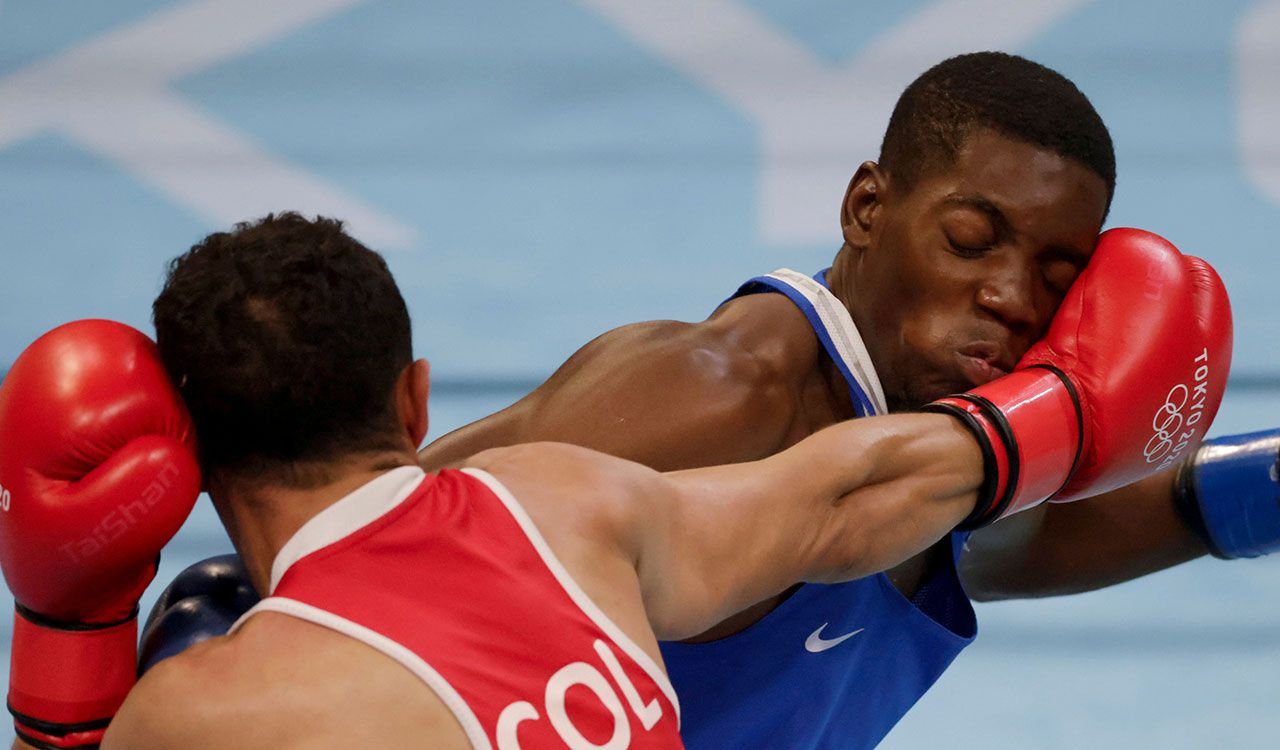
pixel 1011 95
pixel 286 338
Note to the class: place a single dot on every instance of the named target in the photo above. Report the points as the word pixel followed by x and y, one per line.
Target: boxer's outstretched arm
pixel 847 502
pixel 1082 546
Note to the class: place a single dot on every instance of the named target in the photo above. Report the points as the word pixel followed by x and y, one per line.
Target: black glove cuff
pixel 42 745
pixel 982 513
pixel 36 618
pixel 53 729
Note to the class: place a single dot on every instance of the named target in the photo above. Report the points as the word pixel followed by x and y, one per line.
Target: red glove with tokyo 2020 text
pixel 1125 382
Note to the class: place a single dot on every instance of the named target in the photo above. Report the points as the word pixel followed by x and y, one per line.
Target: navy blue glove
pixel 202 602
pixel 1229 494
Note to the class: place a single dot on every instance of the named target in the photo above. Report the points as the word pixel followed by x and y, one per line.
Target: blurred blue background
pixel 538 171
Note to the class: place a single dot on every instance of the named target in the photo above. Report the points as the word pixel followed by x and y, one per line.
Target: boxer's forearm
pixel 1072 548
pixel 922 477
pixel 852 500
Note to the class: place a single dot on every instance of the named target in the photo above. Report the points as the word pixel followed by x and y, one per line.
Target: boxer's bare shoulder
pixel 667 394
pixel 280 682
pixel 593 510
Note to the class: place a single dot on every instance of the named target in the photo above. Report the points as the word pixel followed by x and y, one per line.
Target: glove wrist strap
pixel 1031 421
pixel 994 493
pixel 65 684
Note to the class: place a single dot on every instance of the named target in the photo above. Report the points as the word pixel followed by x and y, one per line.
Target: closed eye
pixel 967 251
pixel 1059 275
pixel 1061 267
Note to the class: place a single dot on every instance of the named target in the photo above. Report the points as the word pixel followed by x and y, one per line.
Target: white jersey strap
pixel 451 698
pixel 835 330
pixel 353 512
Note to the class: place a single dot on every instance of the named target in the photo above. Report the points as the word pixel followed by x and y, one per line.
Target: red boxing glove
pixel 98 471
pixel 1125 382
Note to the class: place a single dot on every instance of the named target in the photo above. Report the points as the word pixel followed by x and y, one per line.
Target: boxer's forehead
pixel 1043 197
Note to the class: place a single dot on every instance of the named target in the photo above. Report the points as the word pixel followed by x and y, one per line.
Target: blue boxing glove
pixel 1229 494
pixel 203 602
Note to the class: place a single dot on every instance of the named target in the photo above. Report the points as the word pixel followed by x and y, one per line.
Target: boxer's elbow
pixel 986 579
pixel 1012 559
pixel 978 590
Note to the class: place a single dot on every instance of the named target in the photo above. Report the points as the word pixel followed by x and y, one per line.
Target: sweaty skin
pixel 649 548
pixel 949 281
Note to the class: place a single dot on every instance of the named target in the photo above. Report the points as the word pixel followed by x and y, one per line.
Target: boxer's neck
pixel 842 281
pixel 261 518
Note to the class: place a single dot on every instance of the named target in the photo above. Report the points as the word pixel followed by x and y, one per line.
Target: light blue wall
pixel 542 170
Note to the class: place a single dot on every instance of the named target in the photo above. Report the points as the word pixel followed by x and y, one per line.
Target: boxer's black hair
pixel 286 338
pixel 1011 95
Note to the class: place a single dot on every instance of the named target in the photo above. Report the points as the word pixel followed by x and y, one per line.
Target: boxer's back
pixel 462 626
pixel 281 683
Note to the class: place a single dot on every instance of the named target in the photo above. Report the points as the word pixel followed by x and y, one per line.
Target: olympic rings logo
pixel 1167 422
pixel 1174 423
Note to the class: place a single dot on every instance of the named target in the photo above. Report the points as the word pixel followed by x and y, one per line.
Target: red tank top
pixel 449 576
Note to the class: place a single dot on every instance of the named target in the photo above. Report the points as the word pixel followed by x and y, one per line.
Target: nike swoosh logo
pixel 816 644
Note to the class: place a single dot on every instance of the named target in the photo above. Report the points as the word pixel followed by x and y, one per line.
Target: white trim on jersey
pixel 575 592
pixel 843 331
pixel 417 665
pixel 350 514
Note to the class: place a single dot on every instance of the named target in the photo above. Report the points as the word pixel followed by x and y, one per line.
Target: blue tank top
pixel 834 666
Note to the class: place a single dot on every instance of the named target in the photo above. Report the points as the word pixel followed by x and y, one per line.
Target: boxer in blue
pixel 994 178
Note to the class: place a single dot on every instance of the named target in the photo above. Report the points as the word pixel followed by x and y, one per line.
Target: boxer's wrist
pixel 995 458
pixel 1028 423
pixel 67 680
pixel 1228 493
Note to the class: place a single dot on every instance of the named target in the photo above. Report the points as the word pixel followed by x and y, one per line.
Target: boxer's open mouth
pixel 981 362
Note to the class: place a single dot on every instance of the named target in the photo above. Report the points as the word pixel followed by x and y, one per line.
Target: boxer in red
pixel 515 602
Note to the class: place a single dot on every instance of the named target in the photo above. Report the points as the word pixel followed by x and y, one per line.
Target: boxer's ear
pixel 412 393
pixel 861 206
